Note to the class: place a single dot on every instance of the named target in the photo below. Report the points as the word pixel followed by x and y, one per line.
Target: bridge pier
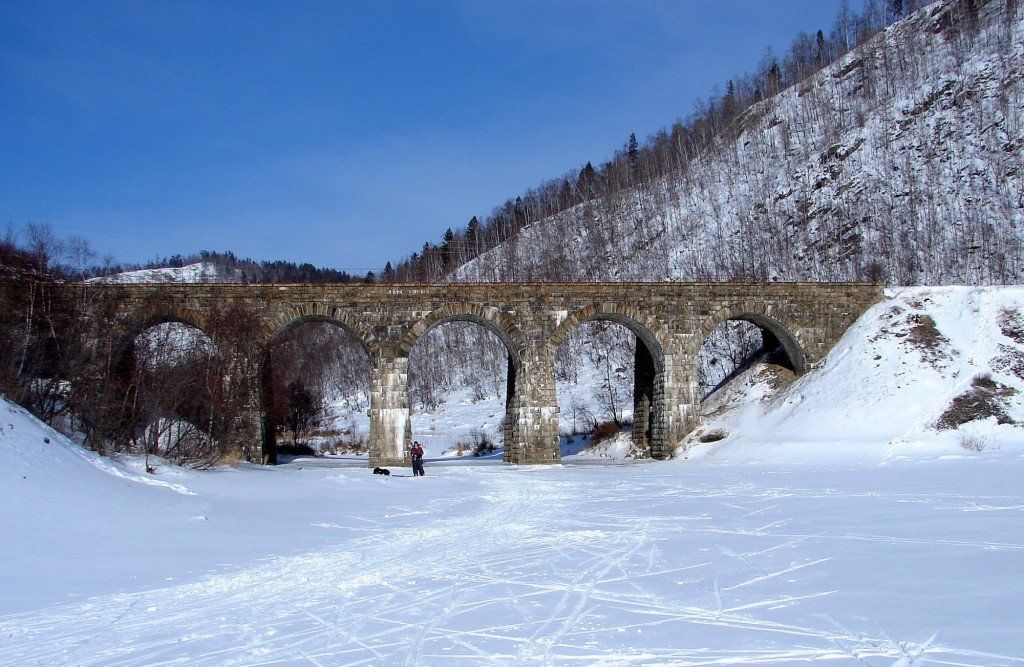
pixel 390 423
pixel 513 402
pixel 533 412
pixel 680 401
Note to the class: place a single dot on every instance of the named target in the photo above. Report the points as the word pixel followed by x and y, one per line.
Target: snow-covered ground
pixel 461 418
pixel 681 562
pixel 839 526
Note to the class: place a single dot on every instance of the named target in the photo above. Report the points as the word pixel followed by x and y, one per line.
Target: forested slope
pixel 901 161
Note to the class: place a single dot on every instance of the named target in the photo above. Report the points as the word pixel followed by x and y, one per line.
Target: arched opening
pixel 315 391
pixel 462 388
pixel 179 408
pixel 745 357
pixel 608 373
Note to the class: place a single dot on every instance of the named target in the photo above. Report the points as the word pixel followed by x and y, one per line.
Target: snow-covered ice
pixel 683 562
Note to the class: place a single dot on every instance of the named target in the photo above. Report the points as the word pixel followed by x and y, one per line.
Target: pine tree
pixel 587 180
pixel 774 78
pixel 633 154
pixel 729 101
pixel 447 249
pixel 473 233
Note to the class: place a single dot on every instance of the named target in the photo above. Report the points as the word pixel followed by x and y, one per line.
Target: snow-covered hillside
pixel 200 272
pixel 926 370
pixel 901 161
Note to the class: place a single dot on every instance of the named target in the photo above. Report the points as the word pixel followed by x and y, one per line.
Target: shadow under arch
pixel 776 332
pixel 648 366
pixel 283 326
pixel 491 320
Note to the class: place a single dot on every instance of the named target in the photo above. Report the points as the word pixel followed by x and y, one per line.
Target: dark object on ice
pixel 381 471
pixel 46 440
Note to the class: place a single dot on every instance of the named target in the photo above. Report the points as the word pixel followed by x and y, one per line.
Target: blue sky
pixel 344 134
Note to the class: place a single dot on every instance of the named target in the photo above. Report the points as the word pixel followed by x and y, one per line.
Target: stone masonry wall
pixel 671 321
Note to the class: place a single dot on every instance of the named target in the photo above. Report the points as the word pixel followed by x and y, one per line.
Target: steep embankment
pixel 928 369
pixel 65 507
pixel 902 161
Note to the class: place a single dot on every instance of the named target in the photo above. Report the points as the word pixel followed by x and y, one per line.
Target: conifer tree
pixel 473 233
pixel 633 153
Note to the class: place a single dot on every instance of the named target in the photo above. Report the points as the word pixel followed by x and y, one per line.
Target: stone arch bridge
pixel 670 321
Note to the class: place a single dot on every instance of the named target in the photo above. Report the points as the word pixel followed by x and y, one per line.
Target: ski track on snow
pixel 550 568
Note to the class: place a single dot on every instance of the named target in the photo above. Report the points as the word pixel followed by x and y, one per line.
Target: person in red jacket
pixel 417 460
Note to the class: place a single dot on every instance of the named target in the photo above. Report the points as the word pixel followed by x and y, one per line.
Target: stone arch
pixel 648 369
pixel 146 318
pixel 492 320
pixel 765 315
pixel 296 315
pixel 489 318
pixel 645 328
pixel 287 320
pixel 148 407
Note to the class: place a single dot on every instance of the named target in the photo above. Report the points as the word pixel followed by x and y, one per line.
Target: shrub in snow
pixel 927 338
pixel 1010 360
pixel 973 442
pixel 1011 324
pixel 482 443
pixel 296 449
pixel 985 399
pixel 713 436
pixel 604 431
